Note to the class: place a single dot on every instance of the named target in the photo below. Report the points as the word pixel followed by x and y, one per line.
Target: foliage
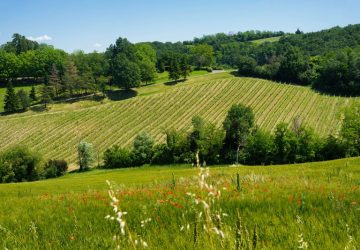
pixel 85 155
pixel 23 99
pixel 32 94
pixel 350 130
pixel 55 168
pixel 19 164
pixel 260 148
pixel 11 102
pixel 202 55
pixel 143 148
pixel 237 125
pixel 117 157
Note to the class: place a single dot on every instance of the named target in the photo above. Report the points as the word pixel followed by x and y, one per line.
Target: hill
pixel 158 107
pixel 68 212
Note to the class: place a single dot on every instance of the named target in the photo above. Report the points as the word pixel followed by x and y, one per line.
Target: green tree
pixel 117 157
pixel 71 79
pixel 184 66
pixel 202 55
pixel 9 65
pixel 246 65
pixel 20 164
pixel 32 94
pixel 55 80
pixel 85 155
pixel 350 130
pixel 259 148
pixel 125 73
pixel 23 98
pixel 285 144
pixel 47 93
pixel 238 124
pixel 143 148
pixel 174 69
pixel 11 103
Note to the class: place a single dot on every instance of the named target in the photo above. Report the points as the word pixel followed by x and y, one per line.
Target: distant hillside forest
pixel 328 60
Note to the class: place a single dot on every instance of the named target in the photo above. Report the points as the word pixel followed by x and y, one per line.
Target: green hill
pixel 318 200
pixel 154 108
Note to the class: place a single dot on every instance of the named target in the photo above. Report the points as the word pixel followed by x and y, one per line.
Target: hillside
pixel 155 108
pixel 69 212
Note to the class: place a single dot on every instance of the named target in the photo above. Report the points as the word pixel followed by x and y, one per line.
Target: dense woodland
pixel 327 60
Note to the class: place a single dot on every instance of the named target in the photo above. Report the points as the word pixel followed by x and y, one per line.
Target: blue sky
pixel 95 24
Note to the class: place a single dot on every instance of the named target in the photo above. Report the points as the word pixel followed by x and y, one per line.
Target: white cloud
pixel 97 45
pixel 42 38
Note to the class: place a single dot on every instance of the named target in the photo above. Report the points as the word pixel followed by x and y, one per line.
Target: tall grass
pixel 277 207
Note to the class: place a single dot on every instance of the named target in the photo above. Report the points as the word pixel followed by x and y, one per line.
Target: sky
pixel 95 24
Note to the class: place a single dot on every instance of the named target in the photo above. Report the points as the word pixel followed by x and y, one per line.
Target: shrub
pixel 85 154
pixel 117 157
pixel 143 148
pixel 55 168
pixel 19 164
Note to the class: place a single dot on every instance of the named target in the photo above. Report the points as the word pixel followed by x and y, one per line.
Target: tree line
pixel 240 141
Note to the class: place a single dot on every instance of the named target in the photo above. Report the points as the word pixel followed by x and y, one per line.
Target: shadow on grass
pixel 119 95
pixel 172 83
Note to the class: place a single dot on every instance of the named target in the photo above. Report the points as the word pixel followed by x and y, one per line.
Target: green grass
pixel 68 212
pixel 164 76
pixel 56 133
pixel 270 40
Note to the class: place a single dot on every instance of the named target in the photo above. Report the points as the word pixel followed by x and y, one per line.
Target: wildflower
pixel 72 237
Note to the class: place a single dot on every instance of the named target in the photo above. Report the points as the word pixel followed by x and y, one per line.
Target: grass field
pixel 270 40
pixel 157 107
pixel 316 202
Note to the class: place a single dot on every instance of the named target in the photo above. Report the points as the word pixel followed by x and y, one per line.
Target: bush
pixel 143 148
pixel 55 168
pixel 19 164
pixel 85 154
pixel 117 157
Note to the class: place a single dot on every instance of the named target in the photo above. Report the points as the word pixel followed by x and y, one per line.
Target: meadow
pixel 155 108
pixel 312 205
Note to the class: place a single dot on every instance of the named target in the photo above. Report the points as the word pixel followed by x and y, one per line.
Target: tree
pixel 259 148
pixel 117 157
pixel 46 95
pixel 174 69
pixel 125 73
pixel 32 94
pixel 285 144
pixel 202 55
pixel 293 63
pixel 143 148
pixel 246 65
pixel 71 78
pixel 146 56
pixel 19 164
pixel 85 155
pixel 237 125
pixel 11 103
pixel 55 80
pixel 184 66
pixel 23 98
pixel 350 130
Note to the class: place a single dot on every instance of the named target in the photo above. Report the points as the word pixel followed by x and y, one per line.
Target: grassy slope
pixel 68 213
pixel 161 106
pixel 270 39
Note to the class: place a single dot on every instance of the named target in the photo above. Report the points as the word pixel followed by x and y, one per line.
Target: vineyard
pixel 155 108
